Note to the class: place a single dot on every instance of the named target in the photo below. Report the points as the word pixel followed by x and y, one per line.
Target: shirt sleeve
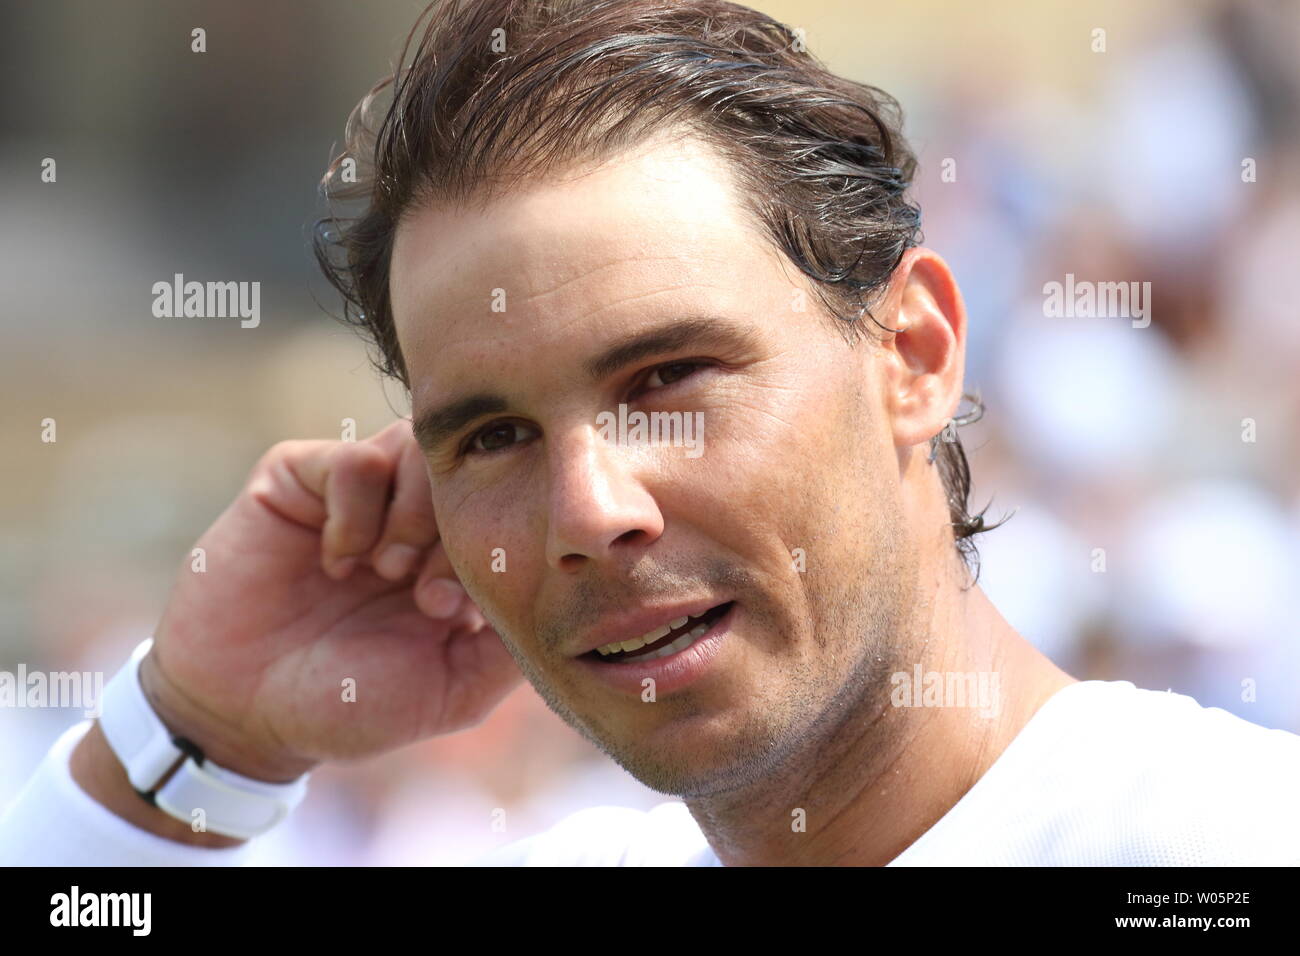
pixel 53 822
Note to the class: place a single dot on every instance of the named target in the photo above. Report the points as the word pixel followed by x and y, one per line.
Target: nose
pixel 599 508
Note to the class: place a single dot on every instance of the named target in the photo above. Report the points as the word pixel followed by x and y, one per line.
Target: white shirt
pixel 1104 774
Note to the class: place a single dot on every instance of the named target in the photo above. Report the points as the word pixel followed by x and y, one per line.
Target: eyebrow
pixel 436 426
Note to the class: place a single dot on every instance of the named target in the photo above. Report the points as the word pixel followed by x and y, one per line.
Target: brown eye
pixel 494 437
pixel 668 374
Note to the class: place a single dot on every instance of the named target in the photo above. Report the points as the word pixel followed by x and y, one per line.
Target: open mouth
pixel 676 640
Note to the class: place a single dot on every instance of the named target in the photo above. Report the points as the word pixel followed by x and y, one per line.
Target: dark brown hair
pixel 497 91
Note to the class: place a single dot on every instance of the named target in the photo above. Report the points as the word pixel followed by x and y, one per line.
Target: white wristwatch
pixel 232 805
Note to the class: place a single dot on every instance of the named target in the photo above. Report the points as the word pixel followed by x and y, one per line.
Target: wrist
pixel 224 744
pixel 171 770
pixel 101 776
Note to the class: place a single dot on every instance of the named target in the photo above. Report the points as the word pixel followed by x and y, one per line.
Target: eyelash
pixel 467 447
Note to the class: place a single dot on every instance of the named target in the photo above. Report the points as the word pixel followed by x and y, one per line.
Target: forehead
pixel 657 228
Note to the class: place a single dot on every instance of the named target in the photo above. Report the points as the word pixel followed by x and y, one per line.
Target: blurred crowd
pixel 1151 475
pixel 1153 472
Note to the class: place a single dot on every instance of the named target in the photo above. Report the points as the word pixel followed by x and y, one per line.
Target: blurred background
pixel 1154 473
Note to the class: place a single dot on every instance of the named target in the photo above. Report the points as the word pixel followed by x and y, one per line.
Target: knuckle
pixel 281 451
pixel 363 462
pixel 347 530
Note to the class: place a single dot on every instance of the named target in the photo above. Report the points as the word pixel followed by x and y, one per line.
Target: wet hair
pixel 498 91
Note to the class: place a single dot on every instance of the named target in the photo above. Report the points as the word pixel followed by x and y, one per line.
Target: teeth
pixel 683 642
pixel 680 644
pixel 650 638
pixel 655 635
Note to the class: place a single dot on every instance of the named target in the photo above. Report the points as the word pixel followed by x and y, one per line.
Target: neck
pixel 889 772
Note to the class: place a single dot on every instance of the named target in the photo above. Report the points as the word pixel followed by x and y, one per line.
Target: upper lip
pixel 627 625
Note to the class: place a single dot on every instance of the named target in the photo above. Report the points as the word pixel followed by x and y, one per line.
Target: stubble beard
pixel 812 715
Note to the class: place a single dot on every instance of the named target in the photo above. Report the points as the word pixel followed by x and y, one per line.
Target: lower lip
pixel 668 673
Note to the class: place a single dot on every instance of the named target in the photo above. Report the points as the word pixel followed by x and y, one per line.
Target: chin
pixel 691 763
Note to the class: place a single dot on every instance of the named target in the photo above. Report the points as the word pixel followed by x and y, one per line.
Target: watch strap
pixel 231 804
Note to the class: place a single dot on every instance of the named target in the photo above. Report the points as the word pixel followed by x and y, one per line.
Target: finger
pixel 441 598
pixel 393 438
pixel 470 618
pixel 308 461
pixel 355 479
pixel 410 528
pixel 438 592
pixel 436 567
pixel 282 483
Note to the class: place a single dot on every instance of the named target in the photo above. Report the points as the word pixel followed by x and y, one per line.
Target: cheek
pixel 821 485
pixel 777 459
pixel 490 554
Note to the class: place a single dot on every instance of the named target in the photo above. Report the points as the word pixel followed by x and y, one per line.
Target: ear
pixel 923 363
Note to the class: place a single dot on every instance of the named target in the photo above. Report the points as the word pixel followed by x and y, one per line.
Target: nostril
pixel 571 562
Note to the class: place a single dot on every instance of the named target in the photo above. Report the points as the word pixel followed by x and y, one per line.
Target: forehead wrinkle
pixel 557 324
pixel 469 336
pixel 526 243
pixel 588 273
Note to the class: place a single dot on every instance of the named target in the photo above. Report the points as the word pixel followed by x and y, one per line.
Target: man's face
pixel 790 511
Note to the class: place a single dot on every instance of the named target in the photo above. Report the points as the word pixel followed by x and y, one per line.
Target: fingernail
pixel 395 561
pixel 442 597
